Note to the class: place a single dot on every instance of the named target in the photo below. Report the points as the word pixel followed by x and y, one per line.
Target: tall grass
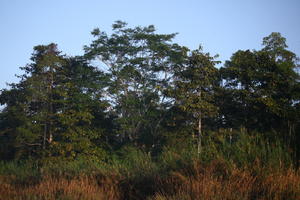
pixel 230 166
pixel 216 181
pixel 80 188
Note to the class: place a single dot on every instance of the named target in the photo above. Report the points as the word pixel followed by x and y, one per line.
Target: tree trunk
pixel 199 134
pixel 200 127
pixel 51 105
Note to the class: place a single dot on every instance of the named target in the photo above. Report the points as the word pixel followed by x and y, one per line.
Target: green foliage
pixel 153 98
pixel 195 83
pixel 82 165
pixel 139 63
pixel 243 149
pixel 263 87
pixel 20 172
pixel 160 122
pixel 132 163
pixel 237 148
pixel 54 116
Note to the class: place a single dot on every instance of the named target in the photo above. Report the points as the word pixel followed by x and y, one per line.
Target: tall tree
pixel 79 109
pixel 284 84
pixel 51 110
pixel 195 82
pixel 38 89
pixel 138 61
pixel 264 85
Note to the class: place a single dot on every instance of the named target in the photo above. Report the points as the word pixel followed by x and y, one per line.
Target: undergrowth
pixel 237 166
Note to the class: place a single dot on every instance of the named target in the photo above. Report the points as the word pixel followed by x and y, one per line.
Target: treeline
pixel 138 88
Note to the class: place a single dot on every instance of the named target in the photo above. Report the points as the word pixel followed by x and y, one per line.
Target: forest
pixel 138 116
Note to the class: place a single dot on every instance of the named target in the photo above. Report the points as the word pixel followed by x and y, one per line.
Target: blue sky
pixel 221 26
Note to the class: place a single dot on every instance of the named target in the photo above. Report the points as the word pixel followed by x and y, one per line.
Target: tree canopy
pixel 152 89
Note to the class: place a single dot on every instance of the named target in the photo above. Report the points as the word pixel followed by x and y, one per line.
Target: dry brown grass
pixel 216 181
pixel 81 188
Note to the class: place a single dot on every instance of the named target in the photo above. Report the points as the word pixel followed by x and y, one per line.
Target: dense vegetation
pixel 141 117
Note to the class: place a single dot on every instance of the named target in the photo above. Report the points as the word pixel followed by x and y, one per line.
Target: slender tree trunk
pixel 200 127
pixel 199 134
pixel 50 114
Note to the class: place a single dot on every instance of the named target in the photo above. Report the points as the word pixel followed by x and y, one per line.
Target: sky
pixel 220 26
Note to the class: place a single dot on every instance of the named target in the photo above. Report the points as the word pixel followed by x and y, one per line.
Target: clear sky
pixel 221 26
